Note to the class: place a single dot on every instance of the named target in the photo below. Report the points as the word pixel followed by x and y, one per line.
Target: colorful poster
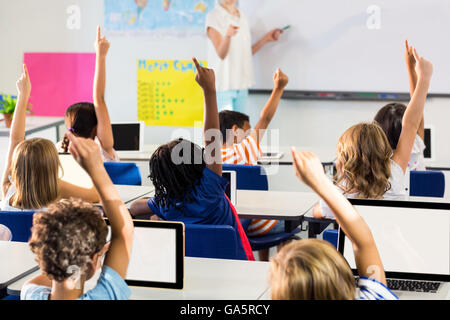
pixel 157 17
pixel 168 94
pixel 59 80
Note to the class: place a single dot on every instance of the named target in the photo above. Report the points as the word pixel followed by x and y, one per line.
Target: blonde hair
pixel 310 270
pixel 34 170
pixel 363 161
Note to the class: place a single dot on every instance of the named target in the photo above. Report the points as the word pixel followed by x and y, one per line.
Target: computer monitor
pixel 157 254
pixel 413 238
pixel 128 136
pixel 231 191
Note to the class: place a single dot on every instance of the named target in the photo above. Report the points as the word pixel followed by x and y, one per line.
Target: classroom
pixel 280 150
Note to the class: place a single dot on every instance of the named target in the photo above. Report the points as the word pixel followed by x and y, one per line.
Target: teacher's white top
pixel 235 72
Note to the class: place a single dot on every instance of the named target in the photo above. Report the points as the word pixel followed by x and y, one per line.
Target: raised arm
pixel 280 81
pixel 414 112
pixel 211 126
pixel 104 129
pixel 87 153
pixel 309 169
pixel 412 75
pixel 17 133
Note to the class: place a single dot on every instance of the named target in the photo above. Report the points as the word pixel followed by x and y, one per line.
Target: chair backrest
pixel 248 177
pixel 427 184
pixel 211 241
pixel 127 173
pixel 19 223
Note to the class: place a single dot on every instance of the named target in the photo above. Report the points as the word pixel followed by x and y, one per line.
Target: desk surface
pixel 34 123
pixel 326 155
pixel 16 261
pixel 130 193
pixel 205 279
pixel 274 204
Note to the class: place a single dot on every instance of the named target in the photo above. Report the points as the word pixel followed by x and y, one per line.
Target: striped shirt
pixel 247 152
pixel 371 289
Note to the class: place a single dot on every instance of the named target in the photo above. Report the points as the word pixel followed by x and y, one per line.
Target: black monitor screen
pixel 126 136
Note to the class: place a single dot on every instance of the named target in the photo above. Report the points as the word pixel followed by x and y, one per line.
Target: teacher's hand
pixel 232 30
pixel 273 35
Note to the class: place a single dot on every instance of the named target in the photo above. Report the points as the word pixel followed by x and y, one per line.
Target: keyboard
pixel 413 285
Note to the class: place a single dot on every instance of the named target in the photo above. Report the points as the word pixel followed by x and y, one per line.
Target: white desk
pixel 36 124
pixel 204 279
pixel 138 156
pixel 16 261
pixel 130 193
pixel 326 155
pixel 279 205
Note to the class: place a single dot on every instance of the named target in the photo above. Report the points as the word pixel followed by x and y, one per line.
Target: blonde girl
pixel 30 178
pixel 313 269
pixel 367 167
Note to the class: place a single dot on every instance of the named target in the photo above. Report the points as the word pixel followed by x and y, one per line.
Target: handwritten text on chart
pixel 176 65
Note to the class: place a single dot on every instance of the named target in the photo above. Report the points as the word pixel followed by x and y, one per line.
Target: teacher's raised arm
pixel 230 51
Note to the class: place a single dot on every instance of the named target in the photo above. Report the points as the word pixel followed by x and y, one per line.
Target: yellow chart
pixel 168 94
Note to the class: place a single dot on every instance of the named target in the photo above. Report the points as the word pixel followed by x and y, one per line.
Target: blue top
pixel 209 205
pixel 110 286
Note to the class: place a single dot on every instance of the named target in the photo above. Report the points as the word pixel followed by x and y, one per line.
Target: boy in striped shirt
pixel 241 146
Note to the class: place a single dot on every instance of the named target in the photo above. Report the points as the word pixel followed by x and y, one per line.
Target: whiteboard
pixel 350 45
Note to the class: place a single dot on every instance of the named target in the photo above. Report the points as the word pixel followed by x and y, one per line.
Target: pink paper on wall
pixel 59 80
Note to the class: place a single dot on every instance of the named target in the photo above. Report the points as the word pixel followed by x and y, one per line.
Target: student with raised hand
pixel 367 167
pixel 91 120
pixel 390 118
pixel 31 175
pixel 188 181
pixel 81 234
pixel 313 269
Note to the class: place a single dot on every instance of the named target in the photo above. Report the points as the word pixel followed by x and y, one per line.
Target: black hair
pixel 390 120
pixel 175 182
pixel 228 119
pixel 84 118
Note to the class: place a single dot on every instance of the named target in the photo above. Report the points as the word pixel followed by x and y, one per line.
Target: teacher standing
pixel 230 53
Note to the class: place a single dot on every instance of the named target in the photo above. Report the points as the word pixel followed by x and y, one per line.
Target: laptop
pixel 157 255
pixel 72 172
pixel 413 239
pixel 230 191
pixel 128 136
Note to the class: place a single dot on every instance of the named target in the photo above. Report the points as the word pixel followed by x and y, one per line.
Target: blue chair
pixel 331 235
pixel 124 173
pixel 19 222
pixel 248 177
pixel 255 178
pixel 427 184
pixel 211 241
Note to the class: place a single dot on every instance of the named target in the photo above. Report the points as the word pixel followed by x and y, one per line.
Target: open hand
pixel 23 85
pixel 101 44
pixel 205 77
pixel 280 80
pixel 308 169
pixel 86 152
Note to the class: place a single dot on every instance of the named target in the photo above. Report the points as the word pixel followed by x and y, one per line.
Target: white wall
pixel 33 26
